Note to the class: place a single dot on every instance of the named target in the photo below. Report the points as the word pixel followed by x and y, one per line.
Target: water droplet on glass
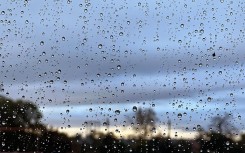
pixel 117 112
pixel 201 31
pixel 227 143
pixel 134 108
pixel 209 99
pixel 119 67
pixel 42 43
pixel 179 115
pixel 100 46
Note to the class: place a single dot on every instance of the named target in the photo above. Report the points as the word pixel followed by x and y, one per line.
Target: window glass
pixel 122 76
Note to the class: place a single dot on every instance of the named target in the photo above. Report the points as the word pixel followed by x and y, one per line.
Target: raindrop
pixel 67 111
pixel 100 46
pixel 179 115
pixel 117 112
pixel 42 43
pixel 209 99
pixel 119 67
pixel 134 108
pixel 201 31
pixel 182 25
pixel 227 143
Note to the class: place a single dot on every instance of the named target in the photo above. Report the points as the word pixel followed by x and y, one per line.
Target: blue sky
pixel 109 54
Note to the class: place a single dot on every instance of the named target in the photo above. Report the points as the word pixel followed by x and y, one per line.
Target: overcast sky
pixel 175 57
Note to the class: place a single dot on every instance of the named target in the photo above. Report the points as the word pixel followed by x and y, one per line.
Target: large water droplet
pixel 134 108
pixel 42 43
pixel 100 46
pixel 117 112
pixel 179 115
pixel 227 143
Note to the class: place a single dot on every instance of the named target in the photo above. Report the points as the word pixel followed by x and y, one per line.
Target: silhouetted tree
pixel 222 124
pixel 22 114
pixel 144 121
pixel 220 136
pixel 21 129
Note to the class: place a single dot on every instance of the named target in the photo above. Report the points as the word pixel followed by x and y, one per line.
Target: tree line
pixel 21 130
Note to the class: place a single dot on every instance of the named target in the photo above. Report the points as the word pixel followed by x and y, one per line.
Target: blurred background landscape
pixel 22 130
pixel 122 76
